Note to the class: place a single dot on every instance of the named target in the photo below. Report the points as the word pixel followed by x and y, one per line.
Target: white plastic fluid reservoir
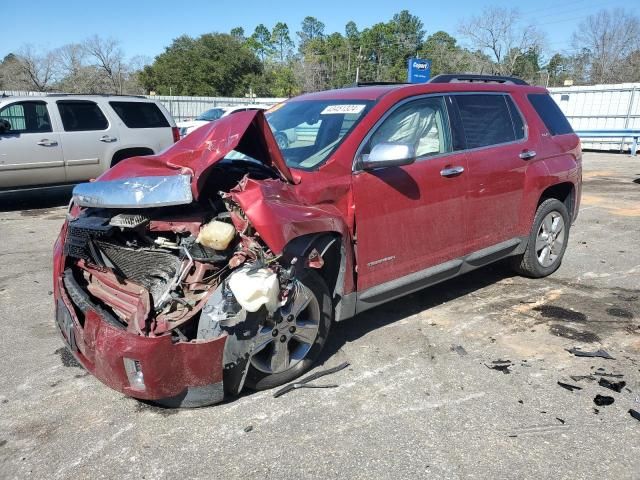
pixel 216 235
pixel 254 288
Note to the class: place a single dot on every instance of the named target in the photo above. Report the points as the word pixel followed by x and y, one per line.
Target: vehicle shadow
pixel 35 199
pixel 386 314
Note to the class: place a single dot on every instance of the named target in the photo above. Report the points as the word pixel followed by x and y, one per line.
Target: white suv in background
pixel 57 139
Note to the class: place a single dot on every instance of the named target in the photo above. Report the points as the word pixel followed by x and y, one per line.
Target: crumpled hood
pixel 246 132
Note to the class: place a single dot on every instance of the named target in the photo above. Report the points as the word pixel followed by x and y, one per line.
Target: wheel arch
pixel 564 192
pixel 129 152
pixel 332 249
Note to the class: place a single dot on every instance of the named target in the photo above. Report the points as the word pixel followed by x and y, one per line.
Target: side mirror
pixel 388 155
pixel 5 126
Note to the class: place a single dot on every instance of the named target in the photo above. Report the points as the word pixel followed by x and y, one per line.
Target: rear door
pixel 30 152
pixel 496 136
pixel 88 139
pixel 413 217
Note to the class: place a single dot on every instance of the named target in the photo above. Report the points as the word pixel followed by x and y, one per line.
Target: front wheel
pixel 547 241
pixel 289 345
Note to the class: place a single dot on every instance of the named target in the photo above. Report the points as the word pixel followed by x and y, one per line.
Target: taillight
pixel 176 134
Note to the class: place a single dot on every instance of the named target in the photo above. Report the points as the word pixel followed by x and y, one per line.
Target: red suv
pixel 222 262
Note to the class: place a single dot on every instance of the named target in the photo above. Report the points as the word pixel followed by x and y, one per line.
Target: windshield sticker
pixel 342 109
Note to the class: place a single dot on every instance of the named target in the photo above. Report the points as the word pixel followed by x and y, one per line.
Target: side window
pixel 550 113
pixel 486 119
pixel 27 117
pixel 516 118
pixel 140 114
pixel 81 116
pixel 421 123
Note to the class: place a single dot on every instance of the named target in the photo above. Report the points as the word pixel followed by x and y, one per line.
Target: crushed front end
pixel 143 288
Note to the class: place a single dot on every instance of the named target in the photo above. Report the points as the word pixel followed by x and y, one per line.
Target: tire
pixel 259 376
pixel 543 255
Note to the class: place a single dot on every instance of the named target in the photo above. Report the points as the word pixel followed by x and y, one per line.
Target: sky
pixel 146 28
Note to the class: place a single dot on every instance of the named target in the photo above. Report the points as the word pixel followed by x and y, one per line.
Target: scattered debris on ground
pixel 248 428
pixel 598 353
pixel 560 420
pixel 459 349
pixel 634 413
pixel 500 365
pixel 615 386
pixel 304 383
pixel 603 400
pixel 569 387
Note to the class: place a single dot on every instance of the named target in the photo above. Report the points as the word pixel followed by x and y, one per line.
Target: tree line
pixel 605 48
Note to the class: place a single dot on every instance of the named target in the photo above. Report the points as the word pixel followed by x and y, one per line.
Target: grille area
pixel 153 269
pixel 79 234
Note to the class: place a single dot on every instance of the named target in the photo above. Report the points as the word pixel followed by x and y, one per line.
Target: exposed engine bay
pixel 156 270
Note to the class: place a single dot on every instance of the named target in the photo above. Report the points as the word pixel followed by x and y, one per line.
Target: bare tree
pixel 32 70
pixel 612 38
pixel 498 33
pixel 109 59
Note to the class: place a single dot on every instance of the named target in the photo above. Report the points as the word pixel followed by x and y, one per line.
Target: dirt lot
pixel 420 399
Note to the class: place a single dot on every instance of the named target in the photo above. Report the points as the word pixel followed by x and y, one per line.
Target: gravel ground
pixel 420 399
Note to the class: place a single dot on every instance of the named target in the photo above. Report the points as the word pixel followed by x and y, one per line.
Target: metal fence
pixel 601 107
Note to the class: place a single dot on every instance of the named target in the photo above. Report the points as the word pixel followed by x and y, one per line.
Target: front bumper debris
pixel 177 374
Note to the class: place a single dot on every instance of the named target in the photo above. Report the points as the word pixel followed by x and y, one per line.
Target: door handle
pixel 45 142
pixel 527 154
pixel 107 139
pixel 451 171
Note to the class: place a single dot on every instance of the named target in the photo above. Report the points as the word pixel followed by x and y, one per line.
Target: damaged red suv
pixel 221 263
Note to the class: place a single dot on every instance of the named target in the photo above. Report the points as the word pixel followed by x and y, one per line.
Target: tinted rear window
pixel 550 114
pixel 486 120
pixel 81 115
pixel 139 114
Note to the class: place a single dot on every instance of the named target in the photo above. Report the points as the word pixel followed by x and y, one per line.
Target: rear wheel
pixel 547 241
pixel 287 346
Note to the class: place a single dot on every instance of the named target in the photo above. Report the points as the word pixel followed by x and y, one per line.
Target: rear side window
pixel 550 114
pixel 27 117
pixel 140 114
pixel 81 116
pixel 486 120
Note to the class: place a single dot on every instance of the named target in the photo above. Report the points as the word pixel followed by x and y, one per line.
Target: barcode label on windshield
pixel 342 109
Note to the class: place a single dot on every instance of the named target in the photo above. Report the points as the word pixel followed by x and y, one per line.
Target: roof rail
pixel 373 84
pixel 92 95
pixel 473 78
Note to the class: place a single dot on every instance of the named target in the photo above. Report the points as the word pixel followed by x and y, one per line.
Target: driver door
pixel 412 217
pixel 30 152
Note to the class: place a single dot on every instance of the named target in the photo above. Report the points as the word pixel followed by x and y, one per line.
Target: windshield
pixel 308 131
pixel 211 115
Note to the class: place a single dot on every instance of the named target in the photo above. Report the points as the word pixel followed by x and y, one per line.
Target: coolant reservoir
pixel 254 288
pixel 216 235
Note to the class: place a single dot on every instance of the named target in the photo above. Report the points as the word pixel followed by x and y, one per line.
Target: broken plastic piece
pixel 615 386
pixel 560 420
pixel 459 349
pixel 501 366
pixel 603 400
pixel 569 387
pixel 254 288
pixel 216 235
pixel 577 378
pixel 634 413
pixel 598 353
pixel 314 376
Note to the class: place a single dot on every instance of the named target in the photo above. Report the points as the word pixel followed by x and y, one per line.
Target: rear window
pixel 486 120
pixel 550 114
pixel 140 114
pixel 81 116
